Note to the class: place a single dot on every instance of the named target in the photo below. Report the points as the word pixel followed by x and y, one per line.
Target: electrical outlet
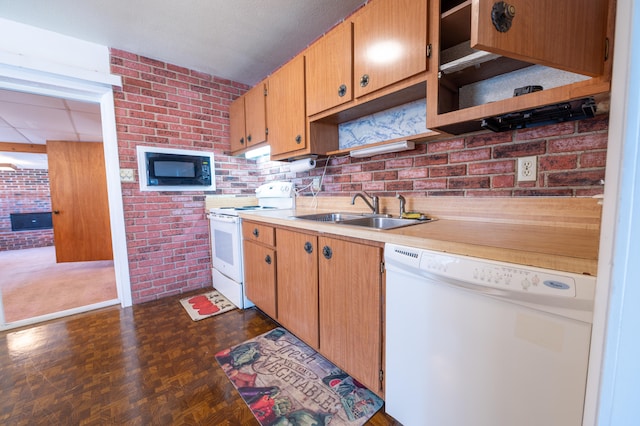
pixel 127 175
pixel 315 185
pixel 527 169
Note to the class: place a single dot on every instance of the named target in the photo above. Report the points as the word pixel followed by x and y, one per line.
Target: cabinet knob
pixel 327 252
pixel 364 80
pixel 298 139
pixel 502 14
pixel 342 90
pixel 248 138
pixel 256 232
pixel 308 247
pixel 56 212
pixel 268 259
pixel 241 141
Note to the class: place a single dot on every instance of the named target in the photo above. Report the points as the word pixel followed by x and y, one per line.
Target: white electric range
pixel 226 239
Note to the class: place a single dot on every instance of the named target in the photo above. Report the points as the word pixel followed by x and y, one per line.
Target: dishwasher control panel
pixel 486 273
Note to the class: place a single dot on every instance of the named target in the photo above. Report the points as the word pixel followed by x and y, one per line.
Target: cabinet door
pixel 390 43
pixel 350 287
pixel 564 34
pixel 255 115
pixel 286 106
pixel 329 70
pixel 298 284
pixel 260 277
pixel 237 125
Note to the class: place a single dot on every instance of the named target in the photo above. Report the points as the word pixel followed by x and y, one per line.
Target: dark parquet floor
pixel 144 365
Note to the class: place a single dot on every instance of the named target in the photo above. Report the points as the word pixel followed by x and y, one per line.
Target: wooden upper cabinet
pixel 255 108
pixel 286 106
pixel 237 131
pixel 390 43
pixel 247 116
pixel 329 70
pixel 564 34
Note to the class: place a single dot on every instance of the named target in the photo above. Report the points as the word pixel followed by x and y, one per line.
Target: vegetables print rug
pixel 285 382
pixel 206 305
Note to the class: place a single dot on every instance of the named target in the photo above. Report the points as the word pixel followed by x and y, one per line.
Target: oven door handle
pixel 223 218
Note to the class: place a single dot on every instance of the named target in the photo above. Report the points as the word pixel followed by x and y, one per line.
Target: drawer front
pixel 252 231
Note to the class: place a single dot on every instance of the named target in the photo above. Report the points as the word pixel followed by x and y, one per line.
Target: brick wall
pixel 571 162
pixel 24 191
pixel 173 107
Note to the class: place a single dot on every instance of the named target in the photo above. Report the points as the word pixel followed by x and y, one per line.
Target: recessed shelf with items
pixel 545 52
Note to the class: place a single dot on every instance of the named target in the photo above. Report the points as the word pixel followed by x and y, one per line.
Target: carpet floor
pixel 33 284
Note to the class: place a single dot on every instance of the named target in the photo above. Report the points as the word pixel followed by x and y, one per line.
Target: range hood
pixel 550 114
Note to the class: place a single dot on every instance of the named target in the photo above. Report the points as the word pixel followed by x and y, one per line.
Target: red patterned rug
pixel 285 382
pixel 206 305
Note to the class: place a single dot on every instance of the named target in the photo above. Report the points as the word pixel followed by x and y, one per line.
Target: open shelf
pixel 455 24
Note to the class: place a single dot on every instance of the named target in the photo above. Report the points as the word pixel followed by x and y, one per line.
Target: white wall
pixel 618 302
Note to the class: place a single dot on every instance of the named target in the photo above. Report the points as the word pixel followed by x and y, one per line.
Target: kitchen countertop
pixel 567 249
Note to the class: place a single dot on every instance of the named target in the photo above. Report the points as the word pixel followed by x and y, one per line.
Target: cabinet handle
pixel 364 80
pixel 502 14
pixel 268 259
pixel 56 212
pixel 248 138
pixel 298 139
pixel 326 252
pixel 308 247
pixel 256 232
pixel 342 90
pixel 241 141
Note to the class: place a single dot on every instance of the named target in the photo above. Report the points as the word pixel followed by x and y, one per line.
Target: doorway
pixel 41 281
pixel 96 93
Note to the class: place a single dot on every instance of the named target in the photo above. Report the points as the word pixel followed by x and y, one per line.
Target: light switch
pixel 127 175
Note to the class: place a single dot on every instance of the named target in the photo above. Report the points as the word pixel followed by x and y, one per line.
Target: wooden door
pixel 286 110
pixel 350 284
pixel 237 131
pixel 77 177
pixel 389 42
pixel 298 284
pixel 564 34
pixel 255 115
pixel 260 277
pixel 329 70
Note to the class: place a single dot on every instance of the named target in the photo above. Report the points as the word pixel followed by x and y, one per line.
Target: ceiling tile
pixel 23 116
pixel 7 134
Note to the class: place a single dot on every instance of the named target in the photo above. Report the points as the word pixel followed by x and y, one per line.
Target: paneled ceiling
pixel 34 119
pixel 242 40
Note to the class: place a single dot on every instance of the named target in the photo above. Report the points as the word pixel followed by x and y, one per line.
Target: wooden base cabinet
pixel 297 279
pixel 260 266
pixel 350 284
pixel 325 290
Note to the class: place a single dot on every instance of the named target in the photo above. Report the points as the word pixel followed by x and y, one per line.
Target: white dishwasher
pixel 472 342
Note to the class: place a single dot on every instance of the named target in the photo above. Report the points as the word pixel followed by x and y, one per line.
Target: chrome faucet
pixel 402 204
pixel 375 207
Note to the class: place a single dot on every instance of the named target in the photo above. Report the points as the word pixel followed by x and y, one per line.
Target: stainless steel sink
pixel 330 217
pixel 368 220
pixel 383 222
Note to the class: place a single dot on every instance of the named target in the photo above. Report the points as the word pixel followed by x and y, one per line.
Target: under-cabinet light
pixel 8 167
pixel 382 149
pixel 258 152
